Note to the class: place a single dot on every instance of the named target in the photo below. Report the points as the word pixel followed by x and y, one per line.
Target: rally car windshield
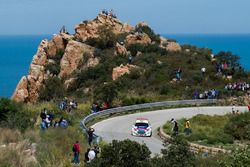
pixel 141 125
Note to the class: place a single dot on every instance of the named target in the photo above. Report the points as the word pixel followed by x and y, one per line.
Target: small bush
pixel 106 39
pixel 146 29
pixel 53 89
pixel 165 90
pixel 134 100
pixel 150 48
pixel 106 93
pixel 239 126
pixel 15 117
pixel 53 68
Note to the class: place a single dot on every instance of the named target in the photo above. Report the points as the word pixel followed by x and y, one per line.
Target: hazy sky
pixel 164 16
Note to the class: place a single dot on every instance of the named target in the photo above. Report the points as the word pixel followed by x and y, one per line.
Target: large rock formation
pixel 28 88
pixel 74 54
pixel 140 38
pixel 173 46
pixel 89 29
pixel 120 50
pixel 67 54
pixel 58 43
pixel 21 92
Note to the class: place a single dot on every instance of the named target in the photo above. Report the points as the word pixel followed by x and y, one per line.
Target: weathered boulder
pixel 120 49
pixel 89 29
pixel 173 46
pixel 58 43
pixel 92 62
pixel 121 70
pixel 69 82
pixel 73 57
pixel 140 38
pixel 21 92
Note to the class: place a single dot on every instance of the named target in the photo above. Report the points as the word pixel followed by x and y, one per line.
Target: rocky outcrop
pixel 140 38
pixel 58 43
pixel 21 92
pixel 169 45
pixel 29 87
pixel 89 29
pixel 69 82
pixel 65 54
pixel 173 47
pixel 120 49
pixel 121 70
pixel 92 62
pixel 73 56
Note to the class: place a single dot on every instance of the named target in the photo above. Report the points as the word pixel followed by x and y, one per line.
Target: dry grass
pixel 14 151
pixel 9 136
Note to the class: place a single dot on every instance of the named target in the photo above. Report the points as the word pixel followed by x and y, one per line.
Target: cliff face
pixel 70 51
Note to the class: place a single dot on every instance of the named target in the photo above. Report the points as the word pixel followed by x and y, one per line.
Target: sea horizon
pixel 17 51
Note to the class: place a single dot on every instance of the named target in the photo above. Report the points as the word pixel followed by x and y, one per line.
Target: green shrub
pixel 14 116
pixel 124 153
pixel 53 89
pixel 53 68
pixel 164 90
pixel 177 154
pixel 239 126
pixel 106 39
pixel 105 93
pixel 150 48
pixel 134 100
pixel 146 29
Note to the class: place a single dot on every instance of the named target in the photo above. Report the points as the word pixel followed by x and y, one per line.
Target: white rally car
pixel 141 128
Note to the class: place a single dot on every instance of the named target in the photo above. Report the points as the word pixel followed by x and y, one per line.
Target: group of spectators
pixel 208 94
pixel 68 105
pixel 221 67
pixel 91 152
pixel 48 120
pixel 175 129
pixel 240 86
pixel 96 108
pixel 109 13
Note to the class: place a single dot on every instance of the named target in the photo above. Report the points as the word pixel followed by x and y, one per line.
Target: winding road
pixel 119 128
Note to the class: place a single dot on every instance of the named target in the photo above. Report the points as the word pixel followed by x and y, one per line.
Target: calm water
pixel 16 53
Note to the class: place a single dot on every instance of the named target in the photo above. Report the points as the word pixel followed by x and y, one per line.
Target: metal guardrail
pixel 143 106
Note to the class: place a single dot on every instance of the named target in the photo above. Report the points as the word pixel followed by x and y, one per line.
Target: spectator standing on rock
pixel 76 151
pixel 178 74
pixel 130 58
pixel 187 128
pixel 90 135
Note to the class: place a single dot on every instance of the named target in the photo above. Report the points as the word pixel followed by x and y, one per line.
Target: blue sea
pixel 16 53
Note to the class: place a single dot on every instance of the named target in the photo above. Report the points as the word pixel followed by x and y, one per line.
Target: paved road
pixel 119 128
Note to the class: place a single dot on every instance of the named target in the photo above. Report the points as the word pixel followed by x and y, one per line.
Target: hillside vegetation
pixel 109 61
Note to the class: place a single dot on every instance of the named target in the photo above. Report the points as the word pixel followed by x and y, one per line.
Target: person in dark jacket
pixel 90 135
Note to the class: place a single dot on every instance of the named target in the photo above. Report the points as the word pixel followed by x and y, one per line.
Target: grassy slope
pixel 54 146
pixel 208 130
